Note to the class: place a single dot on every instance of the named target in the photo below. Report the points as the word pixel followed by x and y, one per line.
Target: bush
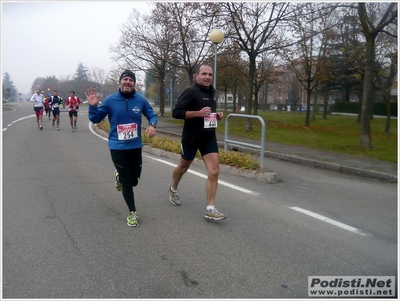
pixel 230 158
pixel 379 108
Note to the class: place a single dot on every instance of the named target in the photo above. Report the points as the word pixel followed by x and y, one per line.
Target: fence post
pixel 261 146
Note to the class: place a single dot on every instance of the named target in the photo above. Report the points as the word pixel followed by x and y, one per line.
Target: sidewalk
pixel 370 168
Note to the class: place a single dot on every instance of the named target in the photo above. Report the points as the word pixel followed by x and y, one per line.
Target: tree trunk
pixel 315 105
pixel 249 94
pixel 256 103
pixel 360 97
pixel 235 104
pixel 307 123
pixel 325 105
pixel 162 96
pixel 387 126
pixel 308 104
pixel 365 139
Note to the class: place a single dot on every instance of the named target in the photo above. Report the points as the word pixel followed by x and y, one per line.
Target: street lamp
pixel 216 37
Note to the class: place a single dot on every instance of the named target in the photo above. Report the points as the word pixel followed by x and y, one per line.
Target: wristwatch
pixel 154 125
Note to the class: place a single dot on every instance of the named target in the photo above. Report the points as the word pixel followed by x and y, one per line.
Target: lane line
pixel 329 221
pixel 223 183
pixel 298 209
pixel 244 190
pixel 26 117
pixel 93 132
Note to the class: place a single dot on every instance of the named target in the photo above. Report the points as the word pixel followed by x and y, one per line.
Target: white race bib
pixel 127 131
pixel 210 121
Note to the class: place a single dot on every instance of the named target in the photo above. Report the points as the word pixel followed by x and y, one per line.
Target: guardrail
pixel 261 146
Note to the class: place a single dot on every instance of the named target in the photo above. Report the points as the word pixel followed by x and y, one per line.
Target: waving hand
pixel 92 97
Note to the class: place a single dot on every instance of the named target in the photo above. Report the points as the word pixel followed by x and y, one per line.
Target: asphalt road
pixel 65 232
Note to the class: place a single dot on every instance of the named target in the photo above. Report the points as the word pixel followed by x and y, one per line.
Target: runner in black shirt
pixel 197 106
pixel 55 103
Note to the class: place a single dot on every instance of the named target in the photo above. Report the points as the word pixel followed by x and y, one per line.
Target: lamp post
pixel 216 37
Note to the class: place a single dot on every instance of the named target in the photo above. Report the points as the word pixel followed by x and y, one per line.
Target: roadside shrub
pixel 230 158
pixel 379 108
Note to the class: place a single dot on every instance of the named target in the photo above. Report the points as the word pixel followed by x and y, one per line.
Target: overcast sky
pixel 40 39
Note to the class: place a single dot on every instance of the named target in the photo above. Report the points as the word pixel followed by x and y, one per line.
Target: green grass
pixel 337 133
pixel 7 107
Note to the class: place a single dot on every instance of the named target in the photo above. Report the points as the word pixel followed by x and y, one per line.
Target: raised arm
pixel 92 97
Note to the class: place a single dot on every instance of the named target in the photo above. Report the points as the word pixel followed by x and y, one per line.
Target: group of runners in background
pixel 53 104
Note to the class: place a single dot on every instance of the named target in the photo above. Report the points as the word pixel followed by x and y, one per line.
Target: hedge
pixel 379 108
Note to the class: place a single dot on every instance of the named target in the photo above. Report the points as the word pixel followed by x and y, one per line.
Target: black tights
pixel 129 166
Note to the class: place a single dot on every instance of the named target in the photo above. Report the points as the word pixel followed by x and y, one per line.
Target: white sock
pixel 172 189
pixel 209 208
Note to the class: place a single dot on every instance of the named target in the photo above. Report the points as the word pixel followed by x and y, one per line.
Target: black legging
pixel 129 166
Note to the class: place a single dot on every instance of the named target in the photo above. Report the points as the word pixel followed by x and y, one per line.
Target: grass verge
pixel 7 107
pixel 338 133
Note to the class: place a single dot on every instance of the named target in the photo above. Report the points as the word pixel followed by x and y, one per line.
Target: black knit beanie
pixel 128 73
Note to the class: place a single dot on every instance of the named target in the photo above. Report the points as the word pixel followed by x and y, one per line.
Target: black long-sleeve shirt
pixel 55 101
pixel 195 98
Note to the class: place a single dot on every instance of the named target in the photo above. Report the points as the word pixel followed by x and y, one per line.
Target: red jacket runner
pixel 73 103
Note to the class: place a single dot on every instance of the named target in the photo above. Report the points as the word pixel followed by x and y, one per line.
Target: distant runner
pixel 55 103
pixel 37 98
pixel 72 104
pixel 47 106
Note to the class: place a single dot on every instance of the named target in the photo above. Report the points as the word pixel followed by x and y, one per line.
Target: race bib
pixel 210 121
pixel 127 131
pixel 55 105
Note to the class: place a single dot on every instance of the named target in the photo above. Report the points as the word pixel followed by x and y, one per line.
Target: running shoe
pixel 38 126
pixel 72 130
pixel 118 184
pixel 58 128
pixel 174 197
pixel 132 220
pixel 53 125
pixel 75 127
pixel 41 128
pixel 214 214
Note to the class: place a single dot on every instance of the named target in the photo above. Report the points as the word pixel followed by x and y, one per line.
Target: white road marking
pixel 93 132
pixel 304 211
pixel 244 190
pixel 329 221
pixel 26 117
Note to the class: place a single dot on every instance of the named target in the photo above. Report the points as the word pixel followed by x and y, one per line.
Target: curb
pixel 269 177
pixel 326 165
pixel 310 162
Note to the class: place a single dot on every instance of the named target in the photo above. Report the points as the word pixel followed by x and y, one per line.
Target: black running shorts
pixel 188 151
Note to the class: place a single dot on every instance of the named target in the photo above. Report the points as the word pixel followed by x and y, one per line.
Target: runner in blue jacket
pixel 124 110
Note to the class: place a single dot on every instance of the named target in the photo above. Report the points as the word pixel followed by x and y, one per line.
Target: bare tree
pixel 147 43
pixel 385 79
pixel 375 18
pixel 386 71
pixel 264 73
pixel 311 26
pixel 111 82
pixel 191 23
pixel 256 27
pixel 98 76
pixel 231 72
